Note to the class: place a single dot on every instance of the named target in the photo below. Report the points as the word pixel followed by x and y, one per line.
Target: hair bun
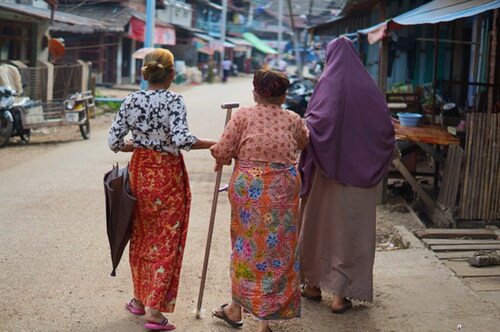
pixel 157 65
pixel 270 83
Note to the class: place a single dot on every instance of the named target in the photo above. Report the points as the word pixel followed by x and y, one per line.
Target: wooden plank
pixel 484 166
pixel 495 191
pixel 463 269
pixel 454 254
pixel 414 184
pixel 488 174
pixel 476 179
pixel 496 180
pixel 443 196
pixel 440 248
pixel 483 283
pixel 465 198
pixel 432 242
pixel 459 157
pixel 437 233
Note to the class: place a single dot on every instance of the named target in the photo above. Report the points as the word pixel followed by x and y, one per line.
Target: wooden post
pixel 383 55
pixel 381 189
pixel 493 61
pixel 435 70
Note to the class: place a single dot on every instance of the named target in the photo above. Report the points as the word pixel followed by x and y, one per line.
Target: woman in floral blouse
pixel 264 195
pixel 158 179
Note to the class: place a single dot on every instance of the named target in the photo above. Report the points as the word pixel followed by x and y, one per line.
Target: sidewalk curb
pixel 407 238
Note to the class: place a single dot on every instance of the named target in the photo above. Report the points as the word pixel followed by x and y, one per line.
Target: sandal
pixel 343 309
pixel 163 326
pixel 222 315
pixel 308 296
pixel 136 311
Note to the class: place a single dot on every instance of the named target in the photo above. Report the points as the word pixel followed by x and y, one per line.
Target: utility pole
pixel 298 58
pixel 150 30
pixel 223 31
pixel 280 30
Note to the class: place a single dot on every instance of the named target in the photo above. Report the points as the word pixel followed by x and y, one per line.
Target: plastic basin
pixel 409 119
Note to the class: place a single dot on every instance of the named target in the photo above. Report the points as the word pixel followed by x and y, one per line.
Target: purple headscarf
pixel 351 133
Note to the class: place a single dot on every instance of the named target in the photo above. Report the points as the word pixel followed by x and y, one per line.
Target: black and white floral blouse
pixel 157 120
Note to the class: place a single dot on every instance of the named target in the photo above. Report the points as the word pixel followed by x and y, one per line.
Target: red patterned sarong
pixel 160 182
pixel 264 234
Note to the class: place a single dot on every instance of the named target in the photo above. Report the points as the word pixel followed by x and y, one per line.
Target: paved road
pixel 54 260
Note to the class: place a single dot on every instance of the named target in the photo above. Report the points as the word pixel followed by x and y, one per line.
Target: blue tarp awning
pixel 432 12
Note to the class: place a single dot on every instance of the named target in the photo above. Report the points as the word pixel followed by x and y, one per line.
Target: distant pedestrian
pixel 264 196
pixel 350 150
pixel 158 179
pixel 226 69
pixel 282 64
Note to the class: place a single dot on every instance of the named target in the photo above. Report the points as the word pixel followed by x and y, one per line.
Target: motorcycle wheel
pixel 85 127
pixel 25 135
pixel 5 131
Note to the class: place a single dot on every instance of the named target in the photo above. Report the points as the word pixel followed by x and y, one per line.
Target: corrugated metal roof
pixel 110 14
pixel 444 11
pixel 437 11
pixel 44 14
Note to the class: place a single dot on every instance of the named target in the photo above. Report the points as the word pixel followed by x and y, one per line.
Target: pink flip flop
pixel 160 327
pixel 133 309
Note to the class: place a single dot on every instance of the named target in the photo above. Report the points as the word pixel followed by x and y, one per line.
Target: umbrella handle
pixel 229 107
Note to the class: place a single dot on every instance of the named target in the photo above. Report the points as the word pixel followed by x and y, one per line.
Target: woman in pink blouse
pixel 264 195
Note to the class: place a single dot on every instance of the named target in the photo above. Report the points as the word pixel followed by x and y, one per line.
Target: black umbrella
pixel 119 212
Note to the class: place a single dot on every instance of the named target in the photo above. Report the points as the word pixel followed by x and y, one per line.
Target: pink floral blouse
pixel 262 133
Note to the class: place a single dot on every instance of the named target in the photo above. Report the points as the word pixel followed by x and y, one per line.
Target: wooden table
pixel 429 138
pixel 425 134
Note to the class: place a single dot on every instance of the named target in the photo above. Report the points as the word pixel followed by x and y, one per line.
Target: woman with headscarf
pixel 158 179
pixel 264 196
pixel 350 150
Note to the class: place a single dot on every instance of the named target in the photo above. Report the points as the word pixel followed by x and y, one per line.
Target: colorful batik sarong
pixel 159 181
pixel 264 234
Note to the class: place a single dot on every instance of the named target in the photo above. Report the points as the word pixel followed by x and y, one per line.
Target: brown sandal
pixel 222 315
pixel 343 309
pixel 316 298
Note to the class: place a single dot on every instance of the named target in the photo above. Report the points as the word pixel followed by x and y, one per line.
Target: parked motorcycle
pixel 18 117
pixel 11 123
pixel 298 96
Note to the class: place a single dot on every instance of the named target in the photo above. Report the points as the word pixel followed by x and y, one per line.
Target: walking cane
pixel 229 107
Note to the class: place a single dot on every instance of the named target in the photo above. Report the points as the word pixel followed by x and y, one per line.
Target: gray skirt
pixel 337 238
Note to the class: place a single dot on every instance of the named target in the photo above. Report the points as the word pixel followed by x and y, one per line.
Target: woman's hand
pixel 217 167
pixel 203 144
pixel 129 147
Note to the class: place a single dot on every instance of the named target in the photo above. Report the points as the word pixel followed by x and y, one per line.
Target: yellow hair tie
pixel 160 65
